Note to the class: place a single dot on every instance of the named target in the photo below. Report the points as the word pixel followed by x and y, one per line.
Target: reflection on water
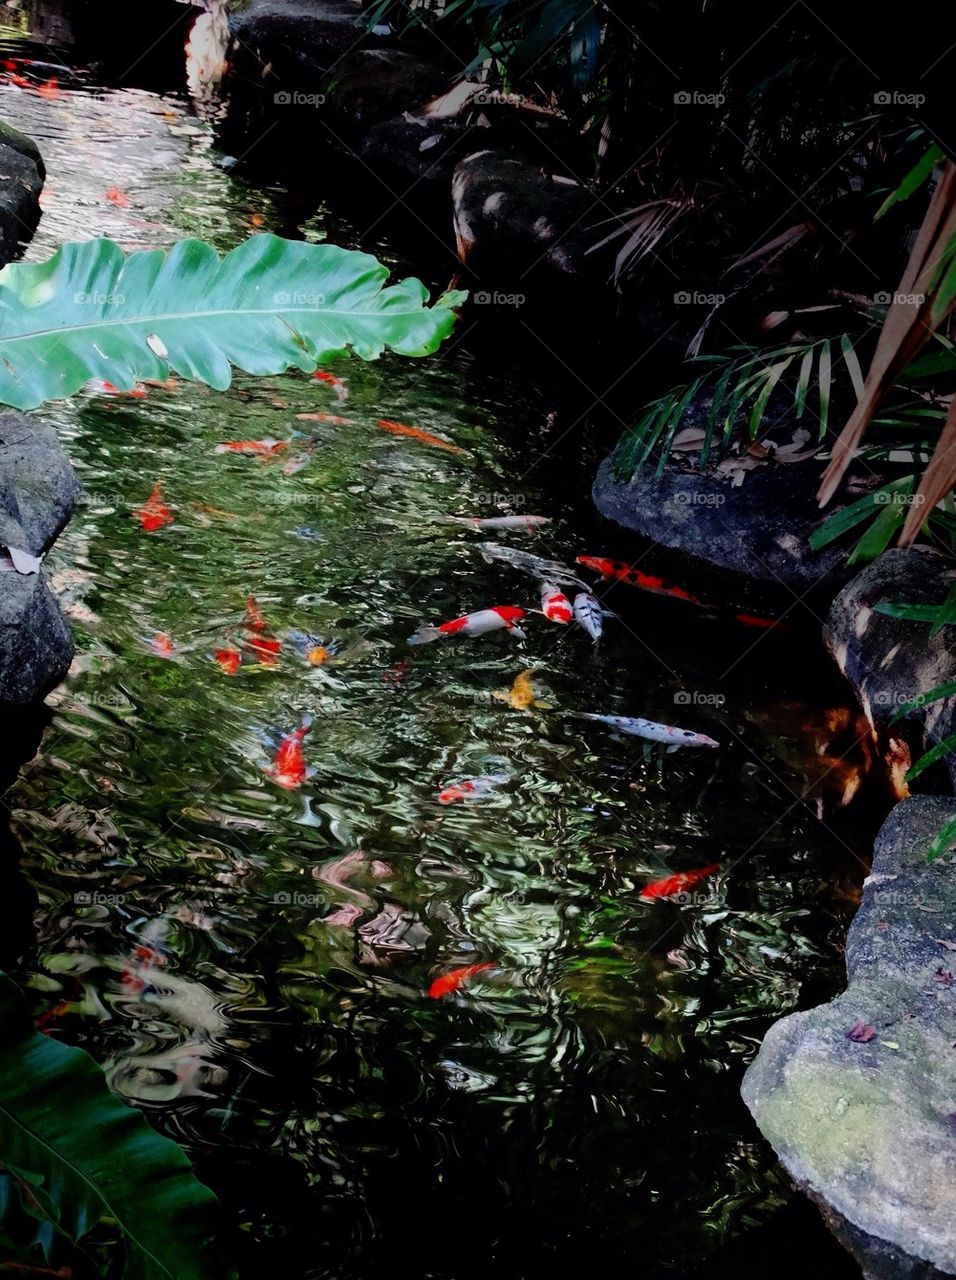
pixel 250 963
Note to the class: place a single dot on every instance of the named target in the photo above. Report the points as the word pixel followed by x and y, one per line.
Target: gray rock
pixel 759 529
pixel 21 181
pixel 513 218
pixel 866 1124
pixel 38 494
pixel 889 661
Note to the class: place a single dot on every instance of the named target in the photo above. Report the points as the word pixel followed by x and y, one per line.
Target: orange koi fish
pixel 118 197
pixel 254 620
pixel 257 448
pixel 766 624
pixel 50 88
pixel 229 660
pixel 335 419
pixel 288 768
pixel 154 513
pixel 450 982
pixel 107 389
pixel 338 385
pixel 313 649
pixel 265 648
pixel 619 571
pixel 680 883
pixel 416 433
pixel 162 645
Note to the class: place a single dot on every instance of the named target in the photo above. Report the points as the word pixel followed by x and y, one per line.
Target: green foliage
pixel 79 1155
pixel 943 841
pixel 91 311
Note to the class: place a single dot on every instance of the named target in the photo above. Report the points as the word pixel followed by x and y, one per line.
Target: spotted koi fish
pixel 620 571
pixel 416 433
pixel 651 731
pixel 555 605
pixel 501 617
pixel 589 615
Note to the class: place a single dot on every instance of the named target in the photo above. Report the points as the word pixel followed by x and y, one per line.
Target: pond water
pixel 251 964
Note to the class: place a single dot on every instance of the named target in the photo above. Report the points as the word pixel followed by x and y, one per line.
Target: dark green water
pixel 578 1105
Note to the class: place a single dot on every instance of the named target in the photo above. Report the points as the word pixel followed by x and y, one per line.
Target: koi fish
pixel 264 647
pixel 97 385
pixel 680 883
pixel 258 448
pixel 162 645
pixel 450 982
pixel 154 513
pixel 396 675
pixel 474 624
pixel 229 660
pixel 296 464
pixel 552 570
pixel 333 418
pixel 472 788
pixel 337 384
pixel 651 731
pixel 589 615
pixel 521 695
pixel 118 197
pixel 134 976
pixel 316 651
pixel 555 605
pixel 50 88
pixel 254 620
pixel 619 571
pixel 526 524
pixel 754 620
pixel 416 433
pixel 288 768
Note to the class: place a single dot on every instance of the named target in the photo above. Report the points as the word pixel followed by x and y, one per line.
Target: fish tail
pixel 425 635
pixel 307 722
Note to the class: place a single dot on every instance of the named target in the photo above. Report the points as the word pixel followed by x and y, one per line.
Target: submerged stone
pixel 865 1123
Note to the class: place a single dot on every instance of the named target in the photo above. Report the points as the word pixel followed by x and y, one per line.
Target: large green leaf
pixel 269 305
pixel 84 1155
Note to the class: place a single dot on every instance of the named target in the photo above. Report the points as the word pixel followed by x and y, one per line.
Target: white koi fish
pixel 551 570
pixel 555 605
pixel 474 624
pixel 651 731
pixel 527 524
pixel 589 614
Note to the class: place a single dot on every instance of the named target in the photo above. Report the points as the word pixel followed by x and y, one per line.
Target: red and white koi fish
pixel 416 433
pixel 257 448
pixel 254 619
pixel 679 883
pixel 296 464
pixel 555 605
pixel 450 982
pixel 472 788
pixel 228 659
pixel 619 571
pixel 525 524
pixel 288 768
pixel 115 195
pixel 589 615
pixel 147 957
pixel 338 385
pixel 162 645
pixel 651 731
pixel 154 513
pixel 501 617
pixel 98 386
pixel 536 566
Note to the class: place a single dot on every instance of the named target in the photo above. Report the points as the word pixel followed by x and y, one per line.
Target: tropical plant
pixel 91 311
pixel 79 1155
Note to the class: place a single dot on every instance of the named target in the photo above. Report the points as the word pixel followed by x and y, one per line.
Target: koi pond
pixel 252 963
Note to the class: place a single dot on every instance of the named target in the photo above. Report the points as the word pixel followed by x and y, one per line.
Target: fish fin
pixel 672 748
pixel 425 635
pixel 516 631
pixel 543 706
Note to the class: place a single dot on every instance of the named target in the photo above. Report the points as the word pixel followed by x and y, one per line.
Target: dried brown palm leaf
pixel 918 309
pixel 938 479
